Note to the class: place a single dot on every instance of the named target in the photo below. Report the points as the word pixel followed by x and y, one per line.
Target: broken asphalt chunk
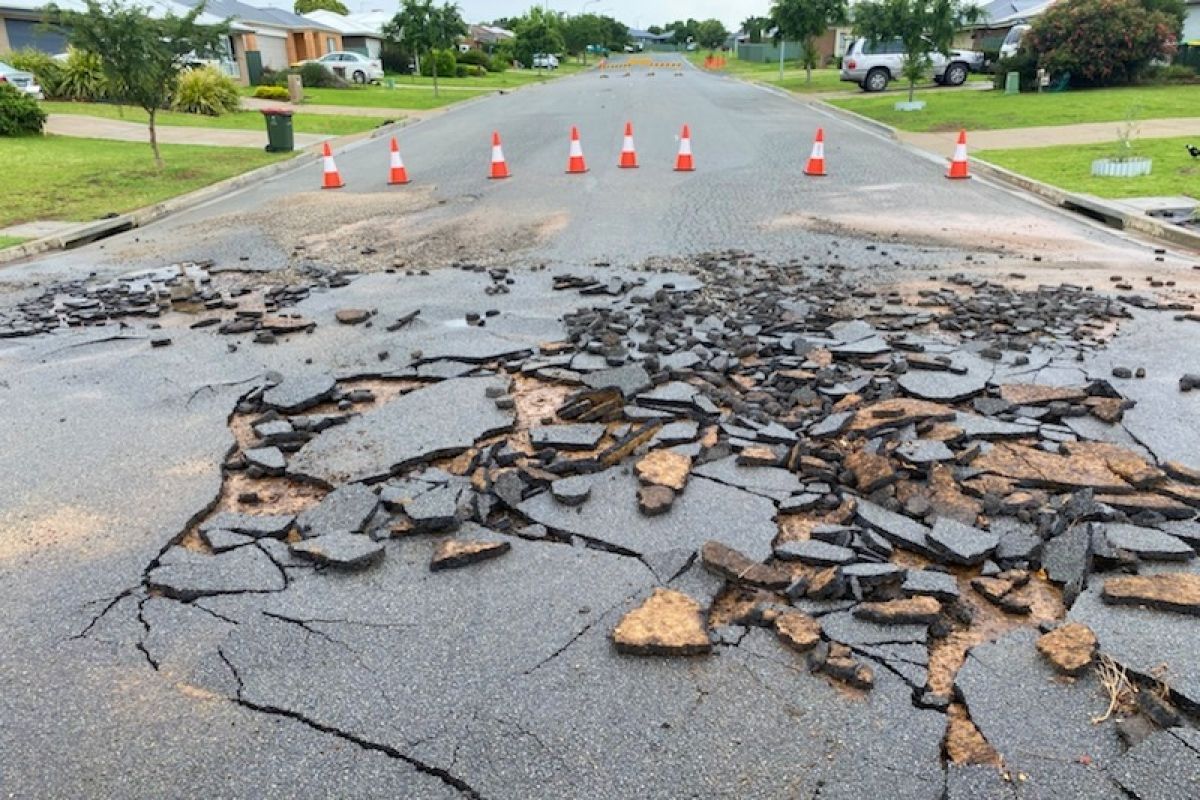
pixel 257 525
pixel 737 568
pixel 798 630
pixel 340 549
pixel 1168 591
pixel 664 468
pixel 906 611
pixel 185 575
pixel 1070 648
pixel 668 623
pixel 1147 543
pixel 299 392
pixel 961 544
pixel 454 553
pixel 347 508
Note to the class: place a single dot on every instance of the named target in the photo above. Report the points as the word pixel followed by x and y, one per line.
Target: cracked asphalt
pixel 142 663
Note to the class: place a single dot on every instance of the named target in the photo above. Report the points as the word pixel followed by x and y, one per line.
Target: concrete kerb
pixel 90 231
pixel 1090 205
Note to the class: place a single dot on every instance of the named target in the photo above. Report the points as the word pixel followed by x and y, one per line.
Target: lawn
pixel 328 124
pixel 949 111
pixel 10 241
pixel 496 80
pixel 823 80
pixel 65 178
pixel 1069 167
pixel 402 97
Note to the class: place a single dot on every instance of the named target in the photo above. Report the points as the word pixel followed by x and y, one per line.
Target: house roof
pixel 634 33
pixel 999 13
pixel 341 23
pixel 254 15
pixel 156 8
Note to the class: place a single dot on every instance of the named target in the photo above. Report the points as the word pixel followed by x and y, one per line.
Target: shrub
pixel 476 57
pixel 318 76
pixel 47 71
pixel 445 63
pixel 1174 73
pixel 1102 42
pixel 82 78
pixel 498 63
pixel 1024 62
pixel 20 115
pixel 271 93
pixel 206 90
pixel 272 77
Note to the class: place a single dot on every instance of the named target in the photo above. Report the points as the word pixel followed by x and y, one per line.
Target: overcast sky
pixel 634 13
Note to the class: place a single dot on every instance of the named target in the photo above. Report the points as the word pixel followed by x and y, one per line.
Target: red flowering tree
pixel 1104 42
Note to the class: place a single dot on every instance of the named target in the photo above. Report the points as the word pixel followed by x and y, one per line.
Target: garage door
pixel 274 51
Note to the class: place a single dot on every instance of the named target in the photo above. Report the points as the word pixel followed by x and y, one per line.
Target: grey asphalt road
pixel 389 684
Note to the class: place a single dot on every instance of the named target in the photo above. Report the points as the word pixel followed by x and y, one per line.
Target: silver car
pixel 873 65
pixel 25 81
pixel 352 66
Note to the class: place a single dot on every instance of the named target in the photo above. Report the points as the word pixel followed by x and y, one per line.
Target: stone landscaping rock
pixel 1070 648
pixel 341 549
pixel 668 623
pixel 455 553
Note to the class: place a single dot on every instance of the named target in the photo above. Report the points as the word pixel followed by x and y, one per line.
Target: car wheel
pixel 360 76
pixel 877 80
pixel 956 75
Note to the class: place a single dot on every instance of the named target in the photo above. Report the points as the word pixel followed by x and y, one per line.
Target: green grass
pixel 949 111
pixel 65 178
pixel 10 241
pixel 795 78
pixel 402 97
pixel 497 80
pixel 1069 167
pixel 328 124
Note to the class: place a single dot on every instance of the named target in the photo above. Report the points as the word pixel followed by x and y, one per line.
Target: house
pixel 645 39
pixel 280 37
pixel 1191 24
pixel 830 45
pixel 486 37
pixel 996 19
pixel 361 33
pixel 22 25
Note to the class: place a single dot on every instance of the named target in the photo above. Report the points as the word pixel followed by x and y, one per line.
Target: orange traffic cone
pixel 398 173
pixel 333 178
pixel 683 161
pixel 575 162
pixel 499 165
pixel 628 154
pixel 816 161
pixel 958 164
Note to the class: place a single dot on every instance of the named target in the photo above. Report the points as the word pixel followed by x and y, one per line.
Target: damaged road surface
pixel 791 525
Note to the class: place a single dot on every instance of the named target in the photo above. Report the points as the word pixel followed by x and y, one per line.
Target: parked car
pixel 351 66
pixel 545 61
pixel 873 65
pixel 22 80
pixel 1012 41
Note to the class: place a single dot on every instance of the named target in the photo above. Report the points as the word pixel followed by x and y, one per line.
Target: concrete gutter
pixel 1113 213
pixel 88 232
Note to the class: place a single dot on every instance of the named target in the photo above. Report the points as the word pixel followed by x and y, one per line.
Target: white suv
pixel 873 65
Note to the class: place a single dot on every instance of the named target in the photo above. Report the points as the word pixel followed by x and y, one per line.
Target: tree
pixel 336 6
pixel 654 29
pixel 920 25
pixel 754 27
pixel 582 30
pixel 423 27
pixel 711 34
pixel 539 32
pixel 1101 42
pixel 804 21
pixel 683 32
pixel 141 56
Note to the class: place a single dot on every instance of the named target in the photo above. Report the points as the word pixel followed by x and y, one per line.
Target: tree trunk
pixel 154 138
pixel 912 85
pixel 433 59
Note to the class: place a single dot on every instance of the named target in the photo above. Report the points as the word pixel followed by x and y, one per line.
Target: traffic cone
pixel 499 165
pixel 683 161
pixel 398 173
pixel 575 162
pixel 332 178
pixel 816 161
pixel 958 164
pixel 628 154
